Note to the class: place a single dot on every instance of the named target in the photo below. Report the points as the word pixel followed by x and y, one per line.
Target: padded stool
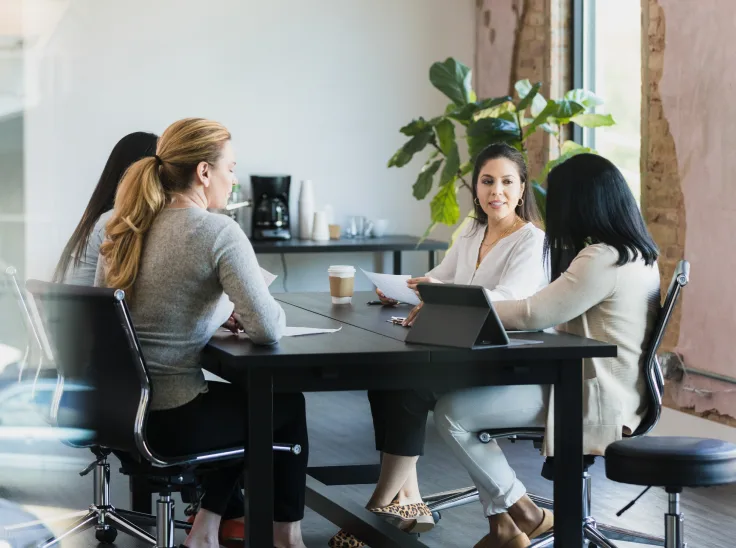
pixel 672 463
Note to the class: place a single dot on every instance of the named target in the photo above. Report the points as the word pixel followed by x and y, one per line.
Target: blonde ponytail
pixel 147 187
pixel 140 197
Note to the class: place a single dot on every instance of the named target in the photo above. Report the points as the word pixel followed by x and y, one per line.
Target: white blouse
pixel 514 269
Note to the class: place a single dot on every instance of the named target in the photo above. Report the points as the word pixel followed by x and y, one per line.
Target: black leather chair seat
pixel 671 461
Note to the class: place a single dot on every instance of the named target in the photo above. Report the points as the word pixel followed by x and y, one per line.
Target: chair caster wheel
pixel 106 535
pixel 436 516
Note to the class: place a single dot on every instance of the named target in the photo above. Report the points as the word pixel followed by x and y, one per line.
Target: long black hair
pixel 589 202
pixel 126 152
pixel 528 209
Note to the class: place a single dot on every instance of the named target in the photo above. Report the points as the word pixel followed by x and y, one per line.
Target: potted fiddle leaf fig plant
pixel 480 122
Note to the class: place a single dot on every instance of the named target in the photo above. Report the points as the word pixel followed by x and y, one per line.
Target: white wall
pixel 315 89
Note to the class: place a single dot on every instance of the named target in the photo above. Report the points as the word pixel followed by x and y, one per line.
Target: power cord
pixel 620 512
pixel 286 274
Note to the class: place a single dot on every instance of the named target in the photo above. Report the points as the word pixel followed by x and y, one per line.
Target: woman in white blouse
pixel 501 250
pixel 605 286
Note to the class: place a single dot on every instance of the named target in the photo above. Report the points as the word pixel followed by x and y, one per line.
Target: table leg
pixel 432 259
pixel 397 262
pixel 568 487
pixel 259 458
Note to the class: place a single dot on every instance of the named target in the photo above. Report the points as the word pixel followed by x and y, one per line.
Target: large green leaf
pixel 528 97
pixel 567 152
pixel 424 182
pixel 486 126
pixel 465 113
pixel 452 165
pixel 453 79
pixel 593 120
pixel 558 112
pixel 446 136
pixel 586 98
pixel 404 155
pixel 523 88
pixel 567 109
pixel 466 168
pixel 569 146
pixel 485 131
pixel 444 206
pixel 414 127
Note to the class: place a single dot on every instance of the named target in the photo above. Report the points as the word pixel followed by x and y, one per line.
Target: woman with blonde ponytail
pixel 177 262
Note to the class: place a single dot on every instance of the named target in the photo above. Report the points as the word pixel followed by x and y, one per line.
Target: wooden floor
pixel 341 433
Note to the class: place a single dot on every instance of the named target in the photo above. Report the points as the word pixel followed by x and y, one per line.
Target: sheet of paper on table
pixel 393 286
pixel 300 331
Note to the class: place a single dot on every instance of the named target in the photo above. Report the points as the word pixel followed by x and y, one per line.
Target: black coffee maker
pixel 270 207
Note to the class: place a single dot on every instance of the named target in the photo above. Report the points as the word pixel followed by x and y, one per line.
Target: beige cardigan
pixel 596 299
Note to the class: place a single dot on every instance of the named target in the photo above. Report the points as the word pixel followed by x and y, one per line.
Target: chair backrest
pixel 95 344
pixel 652 369
pixel 39 349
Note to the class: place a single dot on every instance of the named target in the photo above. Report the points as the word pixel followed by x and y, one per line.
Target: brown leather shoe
pixel 519 541
pixel 548 521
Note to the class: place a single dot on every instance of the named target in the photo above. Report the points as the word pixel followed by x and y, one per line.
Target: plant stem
pixel 521 131
pixel 464 182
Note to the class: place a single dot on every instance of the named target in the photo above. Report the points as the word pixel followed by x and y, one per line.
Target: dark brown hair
pixel 127 151
pixel 527 210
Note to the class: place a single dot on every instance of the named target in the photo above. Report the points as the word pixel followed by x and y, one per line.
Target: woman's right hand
pixel 384 299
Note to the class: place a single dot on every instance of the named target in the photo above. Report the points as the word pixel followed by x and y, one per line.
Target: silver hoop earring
pixel 476 202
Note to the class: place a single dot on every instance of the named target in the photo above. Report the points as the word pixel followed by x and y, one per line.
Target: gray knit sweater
pixel 192 261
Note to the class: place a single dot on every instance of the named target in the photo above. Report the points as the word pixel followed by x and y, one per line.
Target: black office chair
pixel 597 534
pixel 95 343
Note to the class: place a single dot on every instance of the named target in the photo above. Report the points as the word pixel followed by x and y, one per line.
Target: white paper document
pixel 393 286
pixel 268 276
pixel 299 331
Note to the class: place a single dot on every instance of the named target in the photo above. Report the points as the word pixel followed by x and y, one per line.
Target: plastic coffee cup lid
pixel 341 269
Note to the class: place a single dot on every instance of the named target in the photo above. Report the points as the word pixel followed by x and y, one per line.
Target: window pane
pixel 613 70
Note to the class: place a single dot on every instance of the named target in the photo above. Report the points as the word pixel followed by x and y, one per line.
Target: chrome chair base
pixel 107 520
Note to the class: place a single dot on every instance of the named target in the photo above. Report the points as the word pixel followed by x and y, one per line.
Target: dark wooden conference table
pixel 370 353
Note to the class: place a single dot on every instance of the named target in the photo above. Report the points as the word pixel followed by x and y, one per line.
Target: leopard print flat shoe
pixel 412 518
pixel 343 539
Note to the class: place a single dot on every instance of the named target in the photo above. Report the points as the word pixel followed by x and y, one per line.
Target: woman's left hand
pixel 412 282
pixel 232 324
pixel 409 321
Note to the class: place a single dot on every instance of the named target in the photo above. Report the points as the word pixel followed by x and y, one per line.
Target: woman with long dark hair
pixel 605 286
pixel 501 250
pixel 78 261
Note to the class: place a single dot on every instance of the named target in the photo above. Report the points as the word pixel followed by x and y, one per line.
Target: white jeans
pixel 460 416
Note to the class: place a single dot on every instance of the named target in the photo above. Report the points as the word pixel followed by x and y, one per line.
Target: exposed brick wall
pixel 662 201
pixel 519 39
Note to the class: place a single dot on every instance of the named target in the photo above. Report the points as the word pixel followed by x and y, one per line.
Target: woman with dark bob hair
pixel 501 250
pixel 605 286
pixel 78 261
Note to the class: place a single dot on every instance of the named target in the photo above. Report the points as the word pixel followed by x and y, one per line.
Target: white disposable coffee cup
pixel 342 283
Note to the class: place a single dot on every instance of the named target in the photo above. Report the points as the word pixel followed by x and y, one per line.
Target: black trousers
pixel 216 420
pixel 400 420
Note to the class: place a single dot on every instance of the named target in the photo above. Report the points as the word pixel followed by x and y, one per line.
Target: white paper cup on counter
pixel 342 283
